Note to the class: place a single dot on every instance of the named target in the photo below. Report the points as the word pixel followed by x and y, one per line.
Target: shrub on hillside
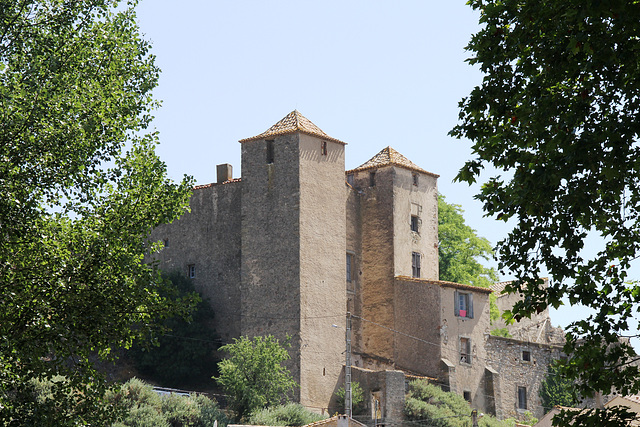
pixel 145 408
pixel 290 414
pixel 437 408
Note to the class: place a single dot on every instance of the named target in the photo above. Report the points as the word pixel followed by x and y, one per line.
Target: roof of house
pixel 390 157
pixel 446 284
pixel 634 398
pixel 292 123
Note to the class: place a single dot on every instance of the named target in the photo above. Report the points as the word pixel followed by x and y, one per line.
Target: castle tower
pixel 293 249
pixel 398 225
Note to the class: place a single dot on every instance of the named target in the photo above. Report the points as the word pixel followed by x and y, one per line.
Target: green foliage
pixel 435 407
pixel 253 375
pixel 557 111
pixel 459 249
pixel 291 414
pixel 143 407
pixel 80 189
pixel 501 332
pixel 357 398
pixel 185 355
pixel 557 390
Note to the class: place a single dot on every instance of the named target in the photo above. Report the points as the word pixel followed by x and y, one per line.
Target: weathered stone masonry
pixel 290 247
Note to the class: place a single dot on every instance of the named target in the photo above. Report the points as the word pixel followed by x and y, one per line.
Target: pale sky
pixel 370 73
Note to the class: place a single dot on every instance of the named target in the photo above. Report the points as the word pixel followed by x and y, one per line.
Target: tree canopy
pixel 80 189
pixel 459 248
pixel 184 357
pixel 253 375
pixel 557 113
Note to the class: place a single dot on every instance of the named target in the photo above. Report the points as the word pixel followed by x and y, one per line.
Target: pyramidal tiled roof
pixel 390 157
pixel 291 123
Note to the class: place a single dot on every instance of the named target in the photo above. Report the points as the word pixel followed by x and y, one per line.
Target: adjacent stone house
pixel 296 243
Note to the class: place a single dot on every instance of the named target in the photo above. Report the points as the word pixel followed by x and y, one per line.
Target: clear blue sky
pixel 370 73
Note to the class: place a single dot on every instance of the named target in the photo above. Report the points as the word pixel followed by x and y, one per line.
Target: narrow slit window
pixel 270 152
pixel 323 148
pixel 414 178
pixel 350 267
pixel 192 271
pixel 372 179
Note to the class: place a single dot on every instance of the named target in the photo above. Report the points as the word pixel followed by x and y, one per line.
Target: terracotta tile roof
pixel 198 187
pixel 446 284
pixel 388 157
pixel 498 287
pixel 292 123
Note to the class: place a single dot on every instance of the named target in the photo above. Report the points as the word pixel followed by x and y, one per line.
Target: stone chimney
pixel 225 172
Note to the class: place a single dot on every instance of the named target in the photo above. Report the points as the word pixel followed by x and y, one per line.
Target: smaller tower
pixel 399 228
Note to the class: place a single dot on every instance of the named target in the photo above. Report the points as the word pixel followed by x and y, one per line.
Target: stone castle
pixel 296 243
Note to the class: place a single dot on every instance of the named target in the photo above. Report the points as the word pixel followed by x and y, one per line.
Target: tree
pixel 80 189
pixel 556 390
pixel 253 375
pixel 357 397
pixel 459 248
pixel 184 356
pixel 557 111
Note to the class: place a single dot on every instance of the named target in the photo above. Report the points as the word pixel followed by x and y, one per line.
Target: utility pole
pixel 347 368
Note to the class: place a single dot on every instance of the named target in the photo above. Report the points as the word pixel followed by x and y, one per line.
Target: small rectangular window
pixel 414 177
pixel 465 350
pixel 372 179
pixel 323 148
pixel 350 267
pixel 192 271
pixel 415 264
pixel 526 356
pixel 166 243
pixel 414 223
pixel 522 398
pixel 467 395
pixel 463 304
pixel 270 152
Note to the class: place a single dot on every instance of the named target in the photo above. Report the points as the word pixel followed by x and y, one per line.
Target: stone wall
pixel 386 386
pixel 376 284
pixel 417 315
pixel 270 271
pixel 421 201
pixel 322 269
pixel 465 375
pixel 505 357
pixel 208 238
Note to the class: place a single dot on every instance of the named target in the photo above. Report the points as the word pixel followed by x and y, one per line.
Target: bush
pixel 143 407
pixel 291 414
pixel 435 407
pixel 357 398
